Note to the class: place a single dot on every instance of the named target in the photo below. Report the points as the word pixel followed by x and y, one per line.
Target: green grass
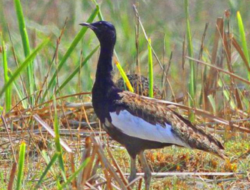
pixel 47 169
pixel 22 66
pixel 57 142
pixel 243 38
pixel 21 163
pixel 192 80
pixel 150 70
pixel 6 78
pixel 26 48
pixel 47 55
pixel 72 46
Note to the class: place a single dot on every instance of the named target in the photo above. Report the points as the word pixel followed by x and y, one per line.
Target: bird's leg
pixel 132 169
pixel 146 169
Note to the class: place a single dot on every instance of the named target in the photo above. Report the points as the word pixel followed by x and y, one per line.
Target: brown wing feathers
pixel 190 134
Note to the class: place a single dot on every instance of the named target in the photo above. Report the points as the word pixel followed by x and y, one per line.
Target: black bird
pixel 138 122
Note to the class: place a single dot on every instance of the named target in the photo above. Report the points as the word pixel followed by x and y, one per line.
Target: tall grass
pixel 150 70
pixel 72 46
pixel 192 80
pixel 21 162
pixel 47 169
pixel 26 48
pixel 77 70
pixel 243 39
pixel 22 66
pixel 57 142
pixel 53 77
pixel 74 175
pixel 6 77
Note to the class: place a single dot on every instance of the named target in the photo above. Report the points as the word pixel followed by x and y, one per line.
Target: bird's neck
pixel 104 90
pixel 104 67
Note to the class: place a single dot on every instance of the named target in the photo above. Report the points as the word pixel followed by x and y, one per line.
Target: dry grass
pixel 109 162
pixel 220 106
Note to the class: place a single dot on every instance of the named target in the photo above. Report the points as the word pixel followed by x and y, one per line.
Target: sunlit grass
pixel 21 162
pixel 243 38
pixel 22 66
pixel 26 48
pixel 72 46
pixel 6 77
pixel 39 64
pixel 150 70
pixel 192 80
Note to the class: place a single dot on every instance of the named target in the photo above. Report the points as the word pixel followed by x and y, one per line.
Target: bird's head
pixel 105 31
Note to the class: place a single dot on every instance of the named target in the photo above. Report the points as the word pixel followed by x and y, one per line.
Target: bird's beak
pixel 88 25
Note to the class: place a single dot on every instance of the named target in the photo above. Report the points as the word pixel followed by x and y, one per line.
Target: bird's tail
pixel 197 138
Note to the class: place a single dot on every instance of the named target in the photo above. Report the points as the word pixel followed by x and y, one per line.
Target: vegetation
pixel 200 61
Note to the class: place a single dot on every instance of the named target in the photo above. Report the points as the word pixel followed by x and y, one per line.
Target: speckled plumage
pixel 154 111
pixel 139 112
pixel 140 85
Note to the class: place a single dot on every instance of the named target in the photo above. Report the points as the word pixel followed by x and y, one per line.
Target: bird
pixel 140 85
pixel 139 123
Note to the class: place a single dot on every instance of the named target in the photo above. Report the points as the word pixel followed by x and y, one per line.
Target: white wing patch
pixel 137 127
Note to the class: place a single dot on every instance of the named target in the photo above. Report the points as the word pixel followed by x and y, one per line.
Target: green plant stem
pixel 150 70
pixel 74 175
pixel 243 39
pixel 20 165
pixel 22 66
pixel 57 141
pixel 6 77
pixel 52 161
pixel 26 47
pixel 72 46
pixel 77 69
pixel 191 63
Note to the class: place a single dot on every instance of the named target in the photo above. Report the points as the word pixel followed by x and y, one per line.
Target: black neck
pixel 104 92
pixel 104 67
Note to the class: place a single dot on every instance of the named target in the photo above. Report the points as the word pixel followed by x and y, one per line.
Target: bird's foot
pixel 132 170
pixel 147 171
pixel 147 178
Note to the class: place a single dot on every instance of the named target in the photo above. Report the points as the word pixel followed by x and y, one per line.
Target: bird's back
pixel 150 119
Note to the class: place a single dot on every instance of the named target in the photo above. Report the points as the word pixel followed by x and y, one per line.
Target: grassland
pixel 48 131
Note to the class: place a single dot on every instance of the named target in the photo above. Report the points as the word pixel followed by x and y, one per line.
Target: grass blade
pixel 192 66
pixel 47 159
pixel 6 78
pixel 100 16
pixel 74 175
pixel 18 91
pixel 150 70
pixel 226 94
pixel 20 165
pixel 77 69
pixel 22 66
pixel 69 51
pixel 243 39
pixel 22 27
pixel 241 53
pixel 124 76
pixel 57 141
pixel 51 132
pixel 26 46
pixel 212 102
pixel 221 70
pixel 52 161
